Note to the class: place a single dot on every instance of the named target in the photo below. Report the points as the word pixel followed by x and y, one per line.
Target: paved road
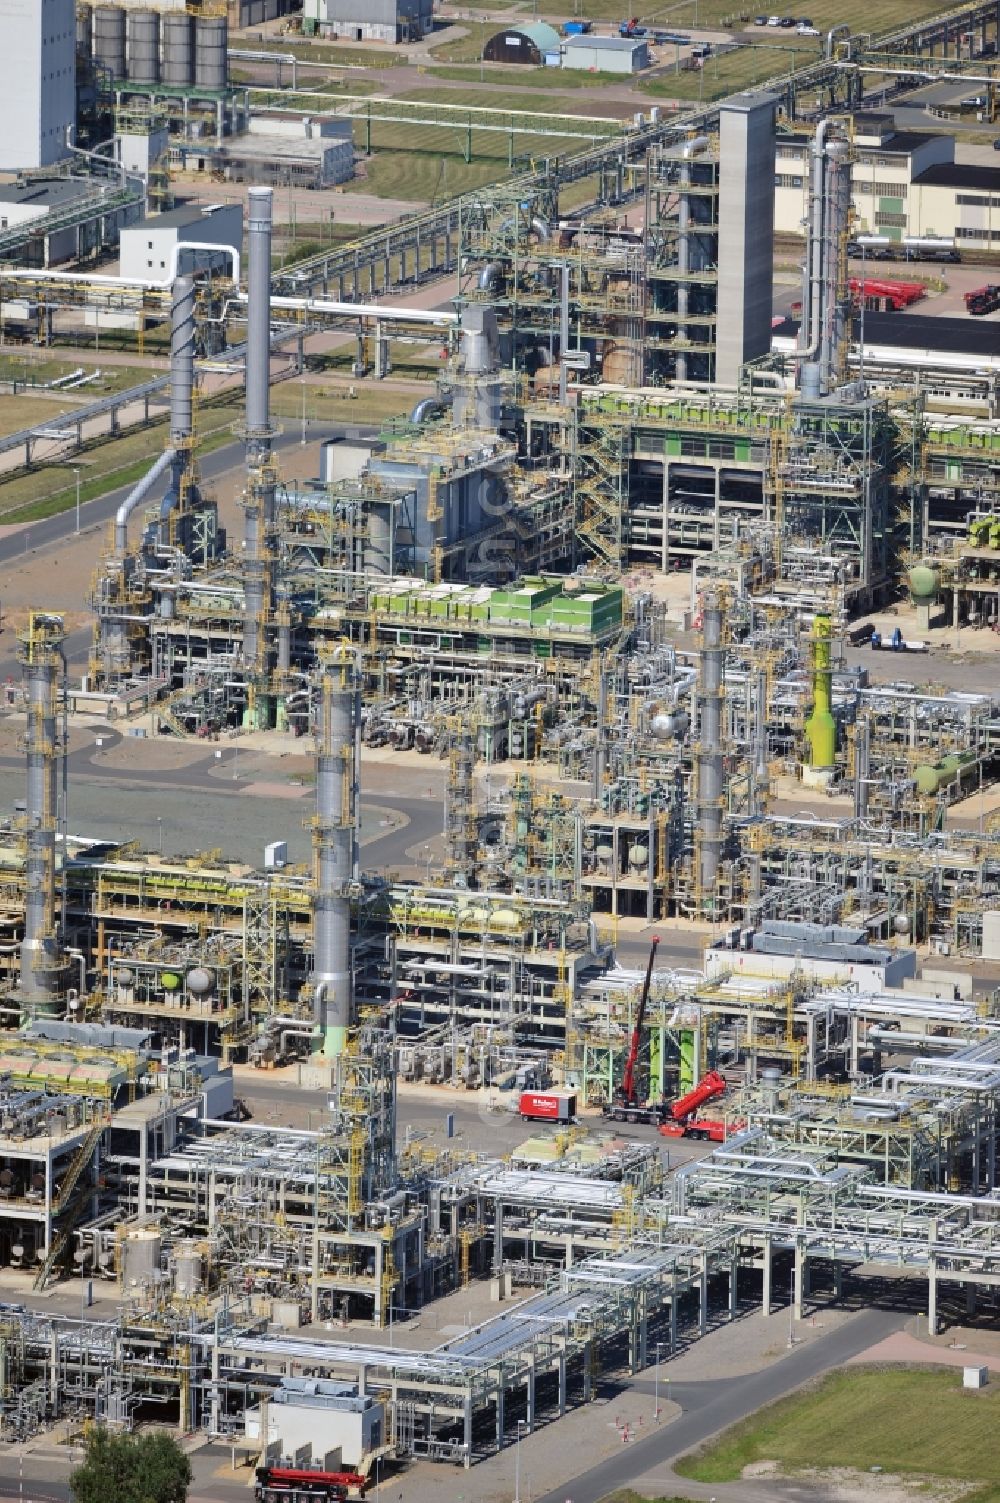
pixel 713 1406
pixel 54 529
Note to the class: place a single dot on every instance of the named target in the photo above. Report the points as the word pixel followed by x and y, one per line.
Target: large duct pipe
pixel 810 331
pixel 135 498
pixel 335 844
pixel 41 951
pixel 710 747
pixel 182 338
pixel 258 500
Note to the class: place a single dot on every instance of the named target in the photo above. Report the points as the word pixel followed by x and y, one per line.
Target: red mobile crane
pixel 625 1107
pixel 285 1484
pixel 682 1120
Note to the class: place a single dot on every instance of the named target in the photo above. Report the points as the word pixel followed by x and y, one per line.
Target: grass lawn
pixel 729 73
pixel 26 412
pixel 724 15
pixel 467 48
pixel 510 99
pixel 372 404
pixel 38 370
pixel 530 78
pixel 347 54
pixel 905 1421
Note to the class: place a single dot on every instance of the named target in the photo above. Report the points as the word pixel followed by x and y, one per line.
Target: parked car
pixel 787 22
pixel 805 30
pixel 774 20
pixel 996 144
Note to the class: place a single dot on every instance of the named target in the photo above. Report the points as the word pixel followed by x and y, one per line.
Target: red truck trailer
pixel 285 1484
pixel 682 1115
pixel 983 299
pixel 547 1106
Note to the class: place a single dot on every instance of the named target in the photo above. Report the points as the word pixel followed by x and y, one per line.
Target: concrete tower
pixel 37 81
pixel 746 233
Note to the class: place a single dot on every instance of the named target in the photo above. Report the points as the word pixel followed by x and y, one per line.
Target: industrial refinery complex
pixel 615 957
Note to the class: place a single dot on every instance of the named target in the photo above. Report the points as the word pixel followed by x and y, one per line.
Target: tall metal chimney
pixel 709 842
pixel 335 846
pixel 258 500
pixel 42 963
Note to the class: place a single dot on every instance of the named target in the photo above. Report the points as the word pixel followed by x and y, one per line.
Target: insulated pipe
pixel 157 282
pixel 563 329
pixel 812 331
pixel 41 961
pixel 182 360
pixel 489 276
pixel 684 241
pixel 135 498
pixel 425 407
pixel 258 516
pixel 833 332
pixel 259 320
pixel 335 845
pixel 710 746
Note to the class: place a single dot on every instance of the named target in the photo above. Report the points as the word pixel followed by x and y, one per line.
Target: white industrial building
pixel 903 183
pixel 315 1421
pixel 37 82
pixel 147 248
pixel 389 21
pixel 605 54
pixel 70 219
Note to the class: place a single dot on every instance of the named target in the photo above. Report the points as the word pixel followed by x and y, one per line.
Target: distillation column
pixel 709 837
pixel 42 962
pixel 258 498
pixel 335 845
pixel 821 728
pixel 459 824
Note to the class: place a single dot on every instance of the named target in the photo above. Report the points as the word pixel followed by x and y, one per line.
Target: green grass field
pixel 510 99
pixel 37 370
pixel 907 1421
pixel 725 15
pixel 531 78
pixel 372 403
pixel 729 73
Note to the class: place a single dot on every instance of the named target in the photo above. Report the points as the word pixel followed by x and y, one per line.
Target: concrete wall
pixel 746 233
pixel 37 81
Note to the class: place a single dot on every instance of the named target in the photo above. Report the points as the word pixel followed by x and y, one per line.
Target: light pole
pixel 159 833
pixel 302 383
pixel 76 472
pixel 517 1461
pixel 656 1386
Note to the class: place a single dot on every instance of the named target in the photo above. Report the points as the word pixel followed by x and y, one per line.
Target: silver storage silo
pixel 143 46
pixel 83 31
pixel 176 30
pixel 109 38
pixel 211 38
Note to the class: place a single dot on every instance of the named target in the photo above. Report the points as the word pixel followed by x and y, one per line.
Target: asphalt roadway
pixel 709 1407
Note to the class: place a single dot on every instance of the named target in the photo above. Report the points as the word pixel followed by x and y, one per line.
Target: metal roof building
pixel 533 44
pixel 605 54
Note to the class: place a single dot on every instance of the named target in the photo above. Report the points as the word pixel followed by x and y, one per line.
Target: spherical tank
pixel 923 580
pixel 901 923
pixel 200 980
pixel 143 29
pixel 109 39
pixel 176 30
pixel 211 38
pixel 662 726
pixel 169 980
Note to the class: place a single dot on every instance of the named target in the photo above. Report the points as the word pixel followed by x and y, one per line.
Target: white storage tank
pixel 109 39
pixel 141 1251
pixel 211 38
pixel 177 34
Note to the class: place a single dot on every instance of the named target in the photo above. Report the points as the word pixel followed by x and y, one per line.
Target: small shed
pixel 605 54
pixel 533 44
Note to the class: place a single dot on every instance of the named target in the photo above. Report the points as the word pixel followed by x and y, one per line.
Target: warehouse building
pixel 147 248
pixel 49 220
pixel 605 54
pixel 389 21
pixel 537 45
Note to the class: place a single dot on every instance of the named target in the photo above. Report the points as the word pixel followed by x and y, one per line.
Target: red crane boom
pixel 628 1079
